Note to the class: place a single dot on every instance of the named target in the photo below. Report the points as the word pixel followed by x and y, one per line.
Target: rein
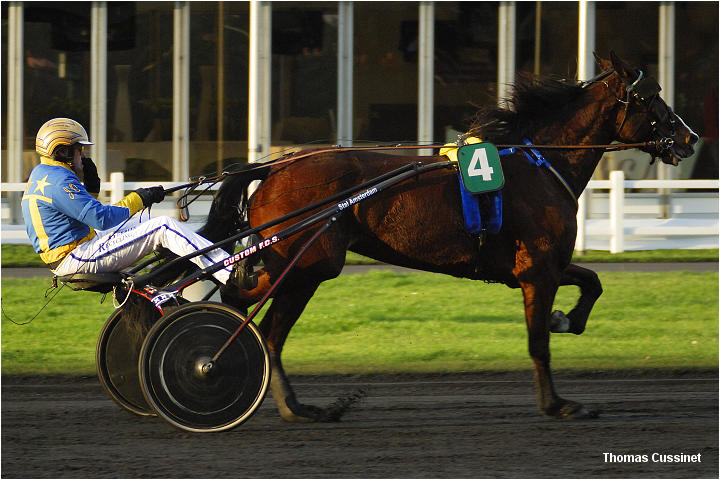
pixel 609 147
pixel 183 202
pixel 659 144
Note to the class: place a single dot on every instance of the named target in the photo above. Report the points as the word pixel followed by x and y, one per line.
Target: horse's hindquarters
pixel 416 223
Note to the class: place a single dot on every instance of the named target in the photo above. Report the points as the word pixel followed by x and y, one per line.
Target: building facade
pixel 170 90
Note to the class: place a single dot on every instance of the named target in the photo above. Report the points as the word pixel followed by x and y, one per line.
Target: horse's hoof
pixel 300 413
pixel 572 411
pixel 577 412
pixel 559 323
pixel 582 414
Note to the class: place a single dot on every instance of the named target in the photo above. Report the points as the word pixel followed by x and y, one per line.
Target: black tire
pixel 171 374
pixel 116 360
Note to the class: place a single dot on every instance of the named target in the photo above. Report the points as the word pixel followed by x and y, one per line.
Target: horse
pixel 418 223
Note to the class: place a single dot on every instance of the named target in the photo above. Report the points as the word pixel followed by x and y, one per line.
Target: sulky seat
pixel 94 282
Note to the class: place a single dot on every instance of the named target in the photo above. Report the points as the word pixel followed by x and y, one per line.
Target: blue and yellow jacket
pixel 60 214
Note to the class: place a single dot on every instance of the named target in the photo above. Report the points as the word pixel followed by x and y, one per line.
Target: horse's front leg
pixel 539 298
pixel 590 291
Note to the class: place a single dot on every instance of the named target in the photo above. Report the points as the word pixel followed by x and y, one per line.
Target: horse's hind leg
pixel 590 291
pixel 285 309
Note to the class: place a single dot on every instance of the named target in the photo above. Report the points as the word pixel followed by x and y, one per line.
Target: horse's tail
pixel 228 212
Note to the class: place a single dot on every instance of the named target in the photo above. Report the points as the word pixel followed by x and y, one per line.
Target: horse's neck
pixel 591 125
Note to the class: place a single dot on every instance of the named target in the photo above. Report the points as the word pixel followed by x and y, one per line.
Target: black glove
pixel 151 195
pixel 90 176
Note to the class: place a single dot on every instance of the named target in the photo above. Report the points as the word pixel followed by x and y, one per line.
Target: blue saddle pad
pixel 471 210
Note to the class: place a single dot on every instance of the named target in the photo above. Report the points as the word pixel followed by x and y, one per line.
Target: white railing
pixel 117 186
pixel 616 226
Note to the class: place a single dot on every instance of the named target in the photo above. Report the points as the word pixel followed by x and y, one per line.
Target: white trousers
pixel 111 251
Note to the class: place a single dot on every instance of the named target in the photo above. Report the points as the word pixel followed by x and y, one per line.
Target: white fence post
pixel 617 209
pixel 117 187
pixel 581 216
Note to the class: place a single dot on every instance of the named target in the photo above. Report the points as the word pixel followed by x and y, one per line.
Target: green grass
pixel 420 322
pixel 19 256
pixel 24 256
pixel 61 339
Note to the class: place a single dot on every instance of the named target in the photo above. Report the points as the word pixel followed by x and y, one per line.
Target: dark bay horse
pixel 419 223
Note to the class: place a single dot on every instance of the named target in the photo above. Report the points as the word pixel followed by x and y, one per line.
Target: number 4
pixel 479 166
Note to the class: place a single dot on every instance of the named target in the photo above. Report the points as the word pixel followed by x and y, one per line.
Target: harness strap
pixel 538 160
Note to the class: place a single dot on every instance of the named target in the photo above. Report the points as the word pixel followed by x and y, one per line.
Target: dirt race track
pixel 464 425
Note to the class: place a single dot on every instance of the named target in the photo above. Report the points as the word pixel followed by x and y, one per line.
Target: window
pixel 696 82
pixel 304 72
pixel 56 73
pixel 139 90
pixel 385 71
pixel 218 85
pixel 465 64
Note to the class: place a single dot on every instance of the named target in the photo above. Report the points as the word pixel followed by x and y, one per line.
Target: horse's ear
pixel 602 63
pixel 622 68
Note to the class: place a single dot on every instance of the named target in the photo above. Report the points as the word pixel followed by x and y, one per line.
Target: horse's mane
pixel 535 101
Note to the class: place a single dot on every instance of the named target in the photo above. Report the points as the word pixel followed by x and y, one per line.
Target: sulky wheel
pixel 116 359
pixel 185 394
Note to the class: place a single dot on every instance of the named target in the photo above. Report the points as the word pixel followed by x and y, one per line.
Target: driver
pixel 74 233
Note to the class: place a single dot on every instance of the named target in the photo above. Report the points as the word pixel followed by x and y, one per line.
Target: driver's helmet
pixel 57 132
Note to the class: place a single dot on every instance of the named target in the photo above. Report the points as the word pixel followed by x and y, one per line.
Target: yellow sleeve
pixel 132 201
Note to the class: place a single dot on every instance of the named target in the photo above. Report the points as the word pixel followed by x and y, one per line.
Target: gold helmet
pixel 57 132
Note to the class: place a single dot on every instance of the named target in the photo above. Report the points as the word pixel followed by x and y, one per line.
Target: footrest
pixel 94 282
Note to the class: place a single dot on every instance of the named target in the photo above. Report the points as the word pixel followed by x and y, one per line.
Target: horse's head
pixel 644 115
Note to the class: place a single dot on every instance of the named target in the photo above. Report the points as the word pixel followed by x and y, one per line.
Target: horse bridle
pixel 646 91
